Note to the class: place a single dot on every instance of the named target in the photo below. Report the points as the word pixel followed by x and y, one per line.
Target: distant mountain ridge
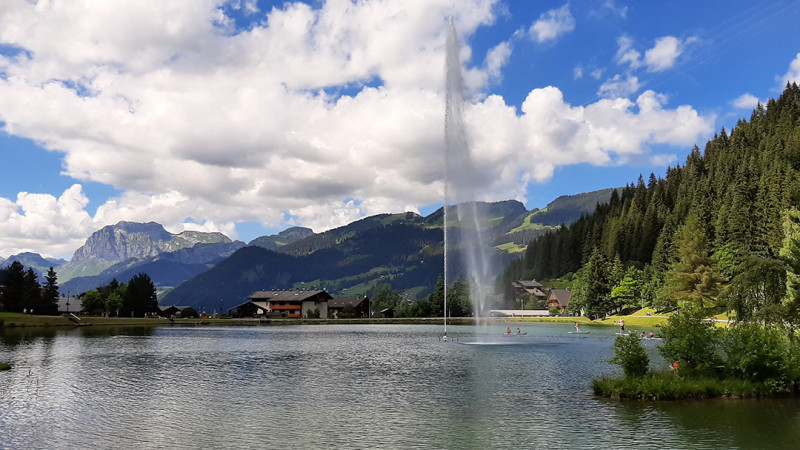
pixel 127 248
pixel 404 250
pixel 36 261
pixel 139 240
pixel 287 236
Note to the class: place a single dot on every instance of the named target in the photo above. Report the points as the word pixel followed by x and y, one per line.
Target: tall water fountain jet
pixel 459 178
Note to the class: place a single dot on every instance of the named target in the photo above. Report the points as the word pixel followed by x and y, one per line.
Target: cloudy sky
pixel 248 117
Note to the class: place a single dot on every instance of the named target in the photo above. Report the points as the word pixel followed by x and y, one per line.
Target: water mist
pixel 467 238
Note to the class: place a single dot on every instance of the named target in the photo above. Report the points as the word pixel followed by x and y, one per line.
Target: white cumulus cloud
pixel 745 101
pixel 552 24
pixel 313 115
pixel 793 74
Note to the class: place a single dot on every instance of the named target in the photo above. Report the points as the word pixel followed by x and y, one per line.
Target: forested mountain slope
pixel 734 194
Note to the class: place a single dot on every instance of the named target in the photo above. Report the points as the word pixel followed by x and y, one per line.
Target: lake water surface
pixel 348 386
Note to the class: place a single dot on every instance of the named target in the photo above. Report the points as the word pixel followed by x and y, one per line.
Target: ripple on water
pixel 344 386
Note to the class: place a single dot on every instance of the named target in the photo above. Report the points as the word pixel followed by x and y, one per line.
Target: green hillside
pixel 402 250
pixel 700 233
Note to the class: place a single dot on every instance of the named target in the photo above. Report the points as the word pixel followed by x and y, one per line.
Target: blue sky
pixel 249 117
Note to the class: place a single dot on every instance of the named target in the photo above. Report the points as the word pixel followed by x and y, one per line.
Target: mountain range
pixel 209 270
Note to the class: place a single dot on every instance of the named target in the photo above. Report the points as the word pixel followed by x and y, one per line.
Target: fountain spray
pixel 459 176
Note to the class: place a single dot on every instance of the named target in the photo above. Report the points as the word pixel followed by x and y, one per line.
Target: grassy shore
pixel 673 386
pixel 11 320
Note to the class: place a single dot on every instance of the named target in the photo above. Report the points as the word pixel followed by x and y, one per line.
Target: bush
pixel 672 386
pixel 690 339
pixel 755 352
pixel 630 355
pixel 5 366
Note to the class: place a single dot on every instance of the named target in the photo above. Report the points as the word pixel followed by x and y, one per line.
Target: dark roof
pixel 287 296
pixel 262 305
pixel 528 284
pixel 341 302
pixel 536 292
pixel 165 307
pixel 561 295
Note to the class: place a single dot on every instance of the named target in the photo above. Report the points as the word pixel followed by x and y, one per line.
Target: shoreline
pixel 17 320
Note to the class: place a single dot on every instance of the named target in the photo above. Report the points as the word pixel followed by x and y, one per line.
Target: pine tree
pixel 790 253
pixel 141 296
pixel 50 294
pixel 592 291
pixel 693 275
pixel 32 292
pixel 13 287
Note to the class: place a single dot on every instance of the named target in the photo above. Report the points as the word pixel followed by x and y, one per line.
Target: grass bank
pixel 12 320
pixel 638 320
pixel 673 386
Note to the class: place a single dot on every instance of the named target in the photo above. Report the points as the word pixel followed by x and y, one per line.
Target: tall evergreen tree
pixel 790 253
pixel 50 293
pixel 141 296
pixel 13 287
pixel 592 291
pixel 32 292
pixel 693 275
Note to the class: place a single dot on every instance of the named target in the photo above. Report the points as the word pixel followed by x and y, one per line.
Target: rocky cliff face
pixel 140 241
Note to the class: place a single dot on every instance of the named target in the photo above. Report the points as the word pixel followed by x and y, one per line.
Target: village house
pixel 289 304
pixel 559 298
pixel 348 307
pixel 171 311
pixel 532 288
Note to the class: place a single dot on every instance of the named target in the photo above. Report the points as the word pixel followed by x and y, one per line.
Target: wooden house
pixel 532 288
pixel 288 304
pixel 559 298
pixel 170 311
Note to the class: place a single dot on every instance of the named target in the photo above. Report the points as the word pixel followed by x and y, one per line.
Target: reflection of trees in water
pixel 716 423
pixel 15 336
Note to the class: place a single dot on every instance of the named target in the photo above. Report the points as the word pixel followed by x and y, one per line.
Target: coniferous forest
pixel 718 230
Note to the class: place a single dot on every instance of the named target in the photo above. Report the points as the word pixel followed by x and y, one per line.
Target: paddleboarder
pixel 621 325
pixel 577 328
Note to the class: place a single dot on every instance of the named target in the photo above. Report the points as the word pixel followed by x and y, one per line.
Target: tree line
pixel 458 301
pixel 136 298
pixel 718 231
pixel 21 291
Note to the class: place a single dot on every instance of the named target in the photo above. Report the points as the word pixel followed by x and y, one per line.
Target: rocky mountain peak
pixel 139 240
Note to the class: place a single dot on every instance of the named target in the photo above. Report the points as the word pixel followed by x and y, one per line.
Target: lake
pixel 348 386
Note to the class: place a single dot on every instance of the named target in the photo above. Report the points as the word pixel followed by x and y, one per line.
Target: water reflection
pixel 344 386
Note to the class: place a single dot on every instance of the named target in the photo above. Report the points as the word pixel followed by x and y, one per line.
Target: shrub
pixel 690 339
pixel 755 352
pixel 5 366
pixel 630 355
